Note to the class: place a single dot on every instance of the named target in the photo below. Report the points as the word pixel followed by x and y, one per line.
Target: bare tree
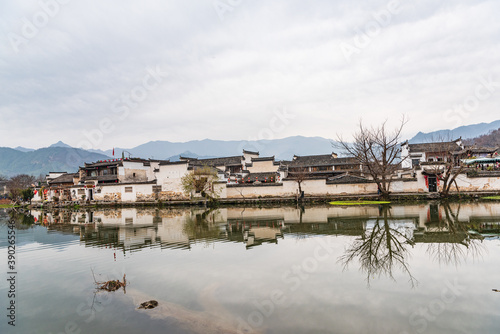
pixel 447 173
pixel 377 149
pixel 445 165
pixel 299 175
pixel 448 177
pixel 18 183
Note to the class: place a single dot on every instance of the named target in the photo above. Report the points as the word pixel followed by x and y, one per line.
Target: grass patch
pixel 491 197
pixel 359 202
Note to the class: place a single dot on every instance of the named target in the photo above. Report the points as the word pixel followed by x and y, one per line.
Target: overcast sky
pixel 121 72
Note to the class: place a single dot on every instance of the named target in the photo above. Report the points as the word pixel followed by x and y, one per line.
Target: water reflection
pixel 384 236
pixel 451 241
pixel 383 246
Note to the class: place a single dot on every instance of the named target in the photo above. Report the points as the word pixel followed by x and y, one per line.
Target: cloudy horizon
pixel 119 74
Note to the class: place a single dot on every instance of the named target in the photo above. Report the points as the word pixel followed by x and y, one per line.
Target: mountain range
pixel 283 148
pixel 466 132
pixel 44 160
pixel 63 157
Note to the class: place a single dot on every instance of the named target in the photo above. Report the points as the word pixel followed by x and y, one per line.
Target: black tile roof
pixel 263 159
pixel 222 161
pixel 119 162
pixel 250 152
pixel 320 160
pixel 261 177
pixel 100 178
pixel 165 163
pixel 103 163
pixel 65 178
pixel 347 179
pixel 474 149
pixel 450 146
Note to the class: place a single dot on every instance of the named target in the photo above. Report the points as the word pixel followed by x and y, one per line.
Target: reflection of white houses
pixel 402 228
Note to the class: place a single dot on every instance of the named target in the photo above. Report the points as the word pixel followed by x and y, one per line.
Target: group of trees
pixel 20 187
pixel 378 150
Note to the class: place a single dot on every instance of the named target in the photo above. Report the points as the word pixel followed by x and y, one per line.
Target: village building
pixel 249 176
pixel 3 188
pixel 413 155
pixel 475 152
pixel 322 166
pixel 262 169
pixel 126 180
pixel 59 188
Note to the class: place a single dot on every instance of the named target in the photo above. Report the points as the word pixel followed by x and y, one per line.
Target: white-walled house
pixel 412 155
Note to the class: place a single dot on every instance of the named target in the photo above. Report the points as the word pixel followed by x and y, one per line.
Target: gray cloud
pixel 226 77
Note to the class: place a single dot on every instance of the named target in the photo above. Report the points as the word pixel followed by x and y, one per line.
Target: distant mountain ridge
pixel 60 144
pixel 24 149
pixel 44 160
pixel 62 157
pixel 283 148
pixel 466 132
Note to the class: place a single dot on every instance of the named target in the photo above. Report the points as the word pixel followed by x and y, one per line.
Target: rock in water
pixel 149 304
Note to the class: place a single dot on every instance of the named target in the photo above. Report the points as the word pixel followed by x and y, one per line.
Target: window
pixel 128 189
pixel 415 162
pixel 129 220
pixel 81 191
pixel 156 189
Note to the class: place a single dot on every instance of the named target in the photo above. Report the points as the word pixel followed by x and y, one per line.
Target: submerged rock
pixel 149 304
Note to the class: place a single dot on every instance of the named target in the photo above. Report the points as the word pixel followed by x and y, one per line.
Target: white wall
pixel 263 167
pixel 310 187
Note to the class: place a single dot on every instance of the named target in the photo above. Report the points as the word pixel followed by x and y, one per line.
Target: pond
pixel 426 268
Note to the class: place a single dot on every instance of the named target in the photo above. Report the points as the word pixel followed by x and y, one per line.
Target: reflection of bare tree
pixel 380 250
pixel 451 241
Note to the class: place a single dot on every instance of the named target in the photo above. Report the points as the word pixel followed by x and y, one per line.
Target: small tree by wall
pixel 447 170
pixel 27 194
pixel 201 180
pixel 299 176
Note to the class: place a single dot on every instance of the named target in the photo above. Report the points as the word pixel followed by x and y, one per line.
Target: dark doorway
pixel 91 194
pixel 432 184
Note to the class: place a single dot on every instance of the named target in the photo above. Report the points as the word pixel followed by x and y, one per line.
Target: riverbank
pixel 395 198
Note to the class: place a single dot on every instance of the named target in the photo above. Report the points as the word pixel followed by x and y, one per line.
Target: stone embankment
pixel 395 197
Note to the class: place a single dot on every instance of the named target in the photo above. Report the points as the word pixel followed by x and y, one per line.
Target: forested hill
pixel 491 139
pixel 44 160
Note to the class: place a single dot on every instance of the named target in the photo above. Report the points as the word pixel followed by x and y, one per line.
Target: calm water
pixel 400 269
